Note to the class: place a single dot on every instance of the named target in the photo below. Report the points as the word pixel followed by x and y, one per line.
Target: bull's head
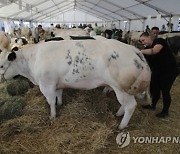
pixel 6 59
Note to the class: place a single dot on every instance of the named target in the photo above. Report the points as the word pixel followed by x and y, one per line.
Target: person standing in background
pixel 163 28
pixel 147 29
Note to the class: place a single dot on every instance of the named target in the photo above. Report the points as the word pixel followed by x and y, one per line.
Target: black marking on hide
pixel 75 71
pixel 140 55
pixel 69 58
pixel 12 56
pixel 81 62
pixel 77 59
pixel 114 56
pixel 83 76
pixel 138 64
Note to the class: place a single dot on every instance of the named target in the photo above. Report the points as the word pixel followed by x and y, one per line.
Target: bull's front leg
pixel 48 90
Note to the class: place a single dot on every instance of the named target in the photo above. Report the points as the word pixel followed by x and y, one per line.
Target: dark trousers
pixel 162 83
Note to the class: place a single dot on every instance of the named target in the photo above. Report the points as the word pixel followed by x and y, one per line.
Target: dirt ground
pixel 86 124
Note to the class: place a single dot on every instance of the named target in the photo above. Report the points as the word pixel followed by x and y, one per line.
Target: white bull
pixel 81 64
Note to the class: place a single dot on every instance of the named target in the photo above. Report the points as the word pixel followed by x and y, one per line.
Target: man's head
pixel 39 26
pixel 155 31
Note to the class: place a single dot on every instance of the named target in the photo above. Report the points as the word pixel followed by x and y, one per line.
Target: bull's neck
pixel 21 65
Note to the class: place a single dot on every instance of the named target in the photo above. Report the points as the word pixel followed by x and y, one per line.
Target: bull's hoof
pixel 52 117
pixel 121 127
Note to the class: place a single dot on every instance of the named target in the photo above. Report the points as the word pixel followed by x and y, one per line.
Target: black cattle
pixel 81 38
pixel 108 33
pixel 174 44
pixel 118 34
pixel 54 39
pixel 24 41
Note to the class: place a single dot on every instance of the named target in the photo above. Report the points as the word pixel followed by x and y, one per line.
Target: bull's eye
pixel 2 66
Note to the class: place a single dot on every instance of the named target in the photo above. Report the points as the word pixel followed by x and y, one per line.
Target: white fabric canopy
pixel 86 11
pixel 105 10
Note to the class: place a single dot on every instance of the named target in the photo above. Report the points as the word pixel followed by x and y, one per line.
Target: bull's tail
pixel 141 83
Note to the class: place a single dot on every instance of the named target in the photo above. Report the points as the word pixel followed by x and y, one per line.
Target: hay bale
pixel 17 87
pixel 11 107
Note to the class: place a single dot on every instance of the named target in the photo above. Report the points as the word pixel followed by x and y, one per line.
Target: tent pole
pixel 143 25
pixel 129 28
pixel 119 24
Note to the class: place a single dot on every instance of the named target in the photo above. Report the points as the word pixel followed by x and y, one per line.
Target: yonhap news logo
pixel 123 139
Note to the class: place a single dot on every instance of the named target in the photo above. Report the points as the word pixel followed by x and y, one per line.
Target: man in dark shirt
pixel 164 70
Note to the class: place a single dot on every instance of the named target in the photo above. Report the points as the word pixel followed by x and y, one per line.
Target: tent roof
pixel 105 10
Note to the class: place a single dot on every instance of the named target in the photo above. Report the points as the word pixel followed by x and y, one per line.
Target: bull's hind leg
pixel 128 105
pixel 49 92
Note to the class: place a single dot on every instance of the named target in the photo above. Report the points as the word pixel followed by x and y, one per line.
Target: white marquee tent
pixel 125 14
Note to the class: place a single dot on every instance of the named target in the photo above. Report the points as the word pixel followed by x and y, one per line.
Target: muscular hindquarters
pixel 128 78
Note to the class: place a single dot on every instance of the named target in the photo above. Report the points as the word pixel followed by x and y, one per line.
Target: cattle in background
pixel 18 42
pixel 134 38
pixel 118 35
pixel 39 33
pixel 4 40
pixel 21 41
pixel 21 32
pixel 174 45
pixel 14 32
pixel 165 35
pixel 113 34
pixel 108 33
pixel 66 33
pixel 26 32
pixel 81 64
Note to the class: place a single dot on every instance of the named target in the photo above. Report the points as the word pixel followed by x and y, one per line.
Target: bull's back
pixel 111 62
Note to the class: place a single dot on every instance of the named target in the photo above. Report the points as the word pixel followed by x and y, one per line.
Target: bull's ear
pixel 12 56
pixel 15 49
